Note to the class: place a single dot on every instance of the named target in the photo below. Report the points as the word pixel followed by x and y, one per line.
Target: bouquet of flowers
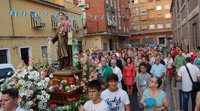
pixel 32 83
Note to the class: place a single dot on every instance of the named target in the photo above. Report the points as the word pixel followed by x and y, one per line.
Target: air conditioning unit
pixel 87 6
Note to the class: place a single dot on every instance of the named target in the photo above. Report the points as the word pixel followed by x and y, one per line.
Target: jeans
pixel 186 99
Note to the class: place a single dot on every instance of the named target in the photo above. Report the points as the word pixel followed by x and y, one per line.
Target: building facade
pixel 26 26
pixel 106 22
pixel 185 17
pixel 150 22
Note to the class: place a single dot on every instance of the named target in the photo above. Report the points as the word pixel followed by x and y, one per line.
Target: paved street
pixel 167 89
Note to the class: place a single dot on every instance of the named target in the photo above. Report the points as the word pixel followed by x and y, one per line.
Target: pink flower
pixel 30 62
pixel 56 87
pixel 82 83
pixel 84 73
pixel 15 81
pixel 53 106
pixel 76 77
pixel 91 68
pixel 38 69
pixel 43 61
pixel 44 74
pixel 31 95
pixel 84 87
pixel 102 86
pixel 85 79
pixel 84 94
pixel 72 99
pixel 20 69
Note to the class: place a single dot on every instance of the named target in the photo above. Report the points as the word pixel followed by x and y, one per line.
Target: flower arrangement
pixel 32 83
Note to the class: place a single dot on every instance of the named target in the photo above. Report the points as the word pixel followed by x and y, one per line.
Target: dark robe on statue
pixel 64 50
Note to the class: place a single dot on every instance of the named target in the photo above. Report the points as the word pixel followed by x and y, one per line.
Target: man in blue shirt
pixel 158 69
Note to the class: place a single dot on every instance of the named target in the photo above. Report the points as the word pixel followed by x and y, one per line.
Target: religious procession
pixel 99 55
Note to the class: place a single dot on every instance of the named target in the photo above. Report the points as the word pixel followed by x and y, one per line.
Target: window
pixel 168 25
pixel 105 47
pixel 160 26
pixel 36 21
pixel 136 28
pixel 136 18
pixel 76 27
pixel 159 7
pixel 152 26
pixel 167 6
pixel 195 39
pixel 5 56
pixel 127 29
pixel 124 29
pixel 136 11
pixel 159 15
pixel 135 1
pixel 168 15
pixel 44 51
pixel 143 10
pixel 150 7
pixel 144 27
pixel 25 54
pixel 143 18
pixel 84 23
pixel 54 22
pixel 111 3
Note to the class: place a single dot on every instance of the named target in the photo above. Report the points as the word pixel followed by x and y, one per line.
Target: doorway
pixel 25 54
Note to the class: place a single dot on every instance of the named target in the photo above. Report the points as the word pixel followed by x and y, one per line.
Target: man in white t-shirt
pixel 95 103
pixel 9 99
pixel 187 83
pixel 116 98
pixel 117 70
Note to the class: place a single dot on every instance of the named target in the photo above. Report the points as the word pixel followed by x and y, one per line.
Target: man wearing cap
pixel 64 49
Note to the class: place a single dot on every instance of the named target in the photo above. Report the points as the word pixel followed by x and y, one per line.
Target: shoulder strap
pixel 189 73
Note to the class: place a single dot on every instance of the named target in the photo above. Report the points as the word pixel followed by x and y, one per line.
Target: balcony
pixel 113 10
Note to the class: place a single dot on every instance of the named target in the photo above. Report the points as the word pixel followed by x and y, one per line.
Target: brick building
pixel 106 23
pixel 150 22
pixel 185 14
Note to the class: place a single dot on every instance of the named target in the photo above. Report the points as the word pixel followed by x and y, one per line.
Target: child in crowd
pixel 95 103
pixel 116 98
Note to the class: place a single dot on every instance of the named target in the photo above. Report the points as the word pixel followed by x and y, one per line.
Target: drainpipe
pixel 181 37
pixel 11 17
pixel 187 24
pixel 199 19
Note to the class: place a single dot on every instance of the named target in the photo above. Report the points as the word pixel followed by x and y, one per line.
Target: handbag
pixel 195 85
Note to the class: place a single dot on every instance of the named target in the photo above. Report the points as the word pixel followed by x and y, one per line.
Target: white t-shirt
pixel 186 81
pixel 116 100
pixel 186 55
pixel 118 72
pixel 20 109
pixel 152 60
pixel 90 106
pixel 168 63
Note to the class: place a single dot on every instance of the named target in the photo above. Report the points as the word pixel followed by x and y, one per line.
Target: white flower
pixel 51 88
pixel 30 103
pixel 51 75
pixel 9 73
pixel 47 79
pixel 39 84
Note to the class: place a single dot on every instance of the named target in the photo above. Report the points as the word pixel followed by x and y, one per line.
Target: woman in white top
pixel 169 61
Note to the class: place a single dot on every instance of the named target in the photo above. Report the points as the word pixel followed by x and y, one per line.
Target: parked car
pixel 5 68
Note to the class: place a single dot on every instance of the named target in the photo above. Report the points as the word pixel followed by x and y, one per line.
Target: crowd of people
pixel 144 69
